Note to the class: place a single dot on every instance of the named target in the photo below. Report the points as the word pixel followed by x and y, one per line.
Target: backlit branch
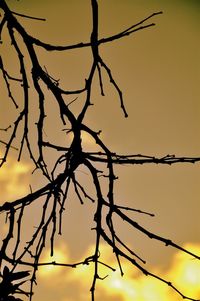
pixel 61 175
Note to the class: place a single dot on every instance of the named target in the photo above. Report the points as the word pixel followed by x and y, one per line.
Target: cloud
pixel 184 272
pixel 74 284
pixel 60 255
pixel 14 180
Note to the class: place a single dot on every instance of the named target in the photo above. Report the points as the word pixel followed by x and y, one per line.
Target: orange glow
pixel 13 179
pixel 184 270
pixel 184 273
pixel 60 256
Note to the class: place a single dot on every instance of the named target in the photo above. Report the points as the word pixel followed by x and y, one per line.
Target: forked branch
pixel 51 198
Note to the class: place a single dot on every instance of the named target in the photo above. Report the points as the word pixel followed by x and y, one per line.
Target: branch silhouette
pixel 51 197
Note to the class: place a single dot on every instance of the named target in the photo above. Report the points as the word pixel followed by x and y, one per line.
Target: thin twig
pixel 26 16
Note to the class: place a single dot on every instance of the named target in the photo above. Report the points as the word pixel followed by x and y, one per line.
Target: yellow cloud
pixel 13 180
pixel 60 256
pixel 183 271
pixel 186 272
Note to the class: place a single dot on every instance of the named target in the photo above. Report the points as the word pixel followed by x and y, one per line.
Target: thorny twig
pixel 52 196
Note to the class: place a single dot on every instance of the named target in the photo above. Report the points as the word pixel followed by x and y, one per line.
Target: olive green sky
pixel 158 70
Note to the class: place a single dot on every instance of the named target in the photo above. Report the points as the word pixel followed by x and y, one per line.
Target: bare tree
pixel 52 196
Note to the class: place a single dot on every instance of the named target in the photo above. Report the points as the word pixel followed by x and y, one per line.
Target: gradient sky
pixel 158 70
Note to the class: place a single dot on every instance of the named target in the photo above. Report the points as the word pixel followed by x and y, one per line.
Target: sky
pixel 158 70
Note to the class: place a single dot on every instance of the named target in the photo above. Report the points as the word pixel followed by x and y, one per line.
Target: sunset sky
pixel 158 70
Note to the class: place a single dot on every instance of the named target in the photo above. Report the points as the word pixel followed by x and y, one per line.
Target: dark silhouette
pixel 7 288
pixel 51 197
